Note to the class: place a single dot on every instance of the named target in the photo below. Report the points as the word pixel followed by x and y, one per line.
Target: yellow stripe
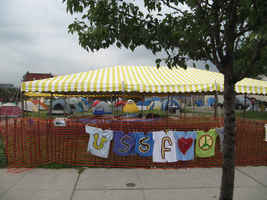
pixel 70 82
pixel 119 78
pixel 91 73
pixel 35 85
pixel 107 80
pixel 29 85
pixel 156 82
pixel 51 81
pixel 77 81
pixel 136 77
pixel 57 83
pixel 23 87
pixel 135 81
pixel 83 81
pixel 146 80
pixel 140 75
pixel 65 82
pixel 97 72
pixel 101 80
pixel 125 78
pixel 113 79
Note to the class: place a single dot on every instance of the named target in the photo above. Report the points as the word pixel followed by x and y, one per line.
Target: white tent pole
pixel 216 101
pixel 39 106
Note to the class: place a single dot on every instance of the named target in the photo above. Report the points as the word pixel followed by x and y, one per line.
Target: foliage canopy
pixel 223 32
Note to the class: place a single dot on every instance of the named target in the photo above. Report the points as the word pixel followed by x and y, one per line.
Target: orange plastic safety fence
pixel 32 142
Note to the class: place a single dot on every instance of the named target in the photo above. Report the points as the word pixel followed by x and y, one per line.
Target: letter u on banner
pixel 101 143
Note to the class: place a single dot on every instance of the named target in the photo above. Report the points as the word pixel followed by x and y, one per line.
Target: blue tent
pixel 102 108
pixel 155 99
pixel 139 103
pixel 145 103
pixel 60 106
pixel 171 103
pixel 211 101
pixel 85 101
pixel 199 103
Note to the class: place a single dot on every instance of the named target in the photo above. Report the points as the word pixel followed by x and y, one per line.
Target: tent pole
pixel 39 105
pixel 185 98
pixel 168 111
pixel 143 101
pixel 216 104
pixel 26 106
pixel 50 106
pixel 22 103
pixel 65 106
pixel 192 102
pixel 113 104
pixel 216 101
pixel 245 103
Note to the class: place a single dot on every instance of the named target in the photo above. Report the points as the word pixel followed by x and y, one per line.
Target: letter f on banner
pixel 164 149
pixel 101 143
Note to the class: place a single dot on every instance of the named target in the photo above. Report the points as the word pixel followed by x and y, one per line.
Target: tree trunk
pixel 228 168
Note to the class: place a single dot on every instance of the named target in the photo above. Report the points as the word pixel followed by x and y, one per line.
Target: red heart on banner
pixel 185 144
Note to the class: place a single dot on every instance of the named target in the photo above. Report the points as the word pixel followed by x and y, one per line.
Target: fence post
pixel 22 103
pixel 50 106
pixel 7 143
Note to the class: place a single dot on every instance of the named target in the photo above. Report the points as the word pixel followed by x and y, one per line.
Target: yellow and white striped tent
pixel 141 79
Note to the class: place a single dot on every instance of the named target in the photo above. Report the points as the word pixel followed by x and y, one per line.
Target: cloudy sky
pixel 34 38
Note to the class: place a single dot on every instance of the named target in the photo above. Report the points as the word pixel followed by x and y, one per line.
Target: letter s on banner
pixel 143 146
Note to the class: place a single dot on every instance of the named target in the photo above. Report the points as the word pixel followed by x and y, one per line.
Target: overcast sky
pixel 34 37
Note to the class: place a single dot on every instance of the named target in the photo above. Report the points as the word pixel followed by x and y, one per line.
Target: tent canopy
pixel 144 79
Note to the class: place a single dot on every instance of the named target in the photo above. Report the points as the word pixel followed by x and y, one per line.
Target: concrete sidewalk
pixel 130 184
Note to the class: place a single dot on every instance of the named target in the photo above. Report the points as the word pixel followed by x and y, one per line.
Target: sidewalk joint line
pixel 251 177
pixel 75 186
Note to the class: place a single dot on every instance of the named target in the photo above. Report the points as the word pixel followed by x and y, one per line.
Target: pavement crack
pixel 142 189
pixel 12 186
pixel 147 188
pixel 251 177
pixel 80 171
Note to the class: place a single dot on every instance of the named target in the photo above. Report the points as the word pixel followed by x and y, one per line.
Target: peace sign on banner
pixel 205 146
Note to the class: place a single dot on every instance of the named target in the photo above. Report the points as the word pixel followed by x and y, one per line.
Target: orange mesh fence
pixel 33 142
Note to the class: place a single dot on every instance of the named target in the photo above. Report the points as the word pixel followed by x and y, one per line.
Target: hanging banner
pixel 205 146
pixel 144 144
pixel 99 141
pixel 124 144
pixel 164 149
pixel 185 143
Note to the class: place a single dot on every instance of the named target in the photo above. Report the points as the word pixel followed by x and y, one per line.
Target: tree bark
pixel 228 168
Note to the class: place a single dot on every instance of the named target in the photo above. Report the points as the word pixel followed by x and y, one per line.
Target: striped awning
pixel 141 79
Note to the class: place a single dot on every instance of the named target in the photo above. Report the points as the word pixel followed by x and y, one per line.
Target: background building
pixel 36 76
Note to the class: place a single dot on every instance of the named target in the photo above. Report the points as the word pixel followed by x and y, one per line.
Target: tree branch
pixel 256 57
pixel 166 3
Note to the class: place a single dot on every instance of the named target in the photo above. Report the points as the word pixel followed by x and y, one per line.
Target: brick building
pixel 36 76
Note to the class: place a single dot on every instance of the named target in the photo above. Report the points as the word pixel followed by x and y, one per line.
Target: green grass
pixel 248 114
pixel 57 166
pixel 253 115
pixel 42 114
pixel 45 115
pixel 3 159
